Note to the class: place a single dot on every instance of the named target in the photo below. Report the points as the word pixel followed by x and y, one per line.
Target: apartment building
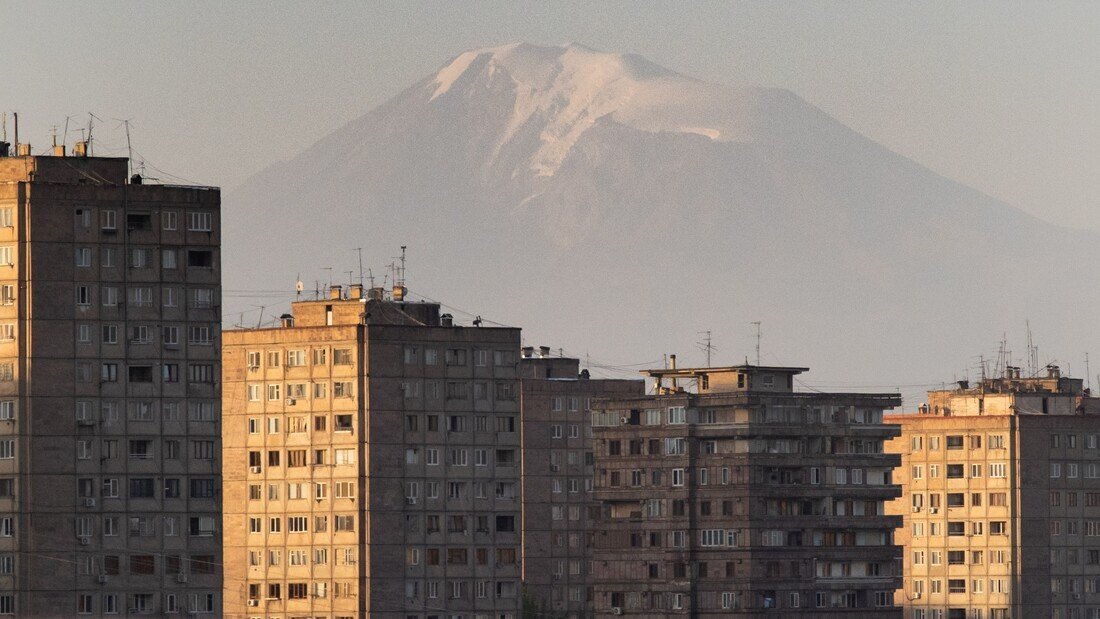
pixel 1001 500
pixel 374 447
pixel 726 492
pixel 109 401
pixel 559 509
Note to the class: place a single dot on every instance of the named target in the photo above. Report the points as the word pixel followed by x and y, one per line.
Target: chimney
pixel 964 384
pixel 1054 371
pixel 355 291
pixel 58 150
pixel 4 149
pixel 544 351
pixel 446 320
pixel 287 320
pixel 334 292
pixel 80 149
pixel 24 150
pixel 399 293
pixel 527 352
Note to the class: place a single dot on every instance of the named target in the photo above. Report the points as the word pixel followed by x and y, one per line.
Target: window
pixel 199 335
pixel 168 220
pixel 677 415
pixel 138 296
pixel 83 257
pixel 139 258
pixel 199 222
pixel 996 469
pixel 200 258
pixel 202 297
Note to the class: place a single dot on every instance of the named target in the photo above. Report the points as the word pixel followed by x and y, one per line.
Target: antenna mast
pixel 360 251
pixel 706 346
pixel 129 150
pixel 401 272
pixel 757 323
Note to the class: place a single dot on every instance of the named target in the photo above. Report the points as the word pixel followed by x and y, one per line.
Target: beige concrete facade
pixel 1001 501
pixel 406 503
pixel 742 497
pixel 110 486
pixel 559 509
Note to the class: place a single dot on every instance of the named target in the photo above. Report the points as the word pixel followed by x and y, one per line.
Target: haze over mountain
pixel 608 205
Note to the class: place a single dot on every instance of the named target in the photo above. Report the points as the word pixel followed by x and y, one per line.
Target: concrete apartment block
pixel 1001 500
pixel 559 507
pixel 374 447
pixel 725 492
pixel 110 484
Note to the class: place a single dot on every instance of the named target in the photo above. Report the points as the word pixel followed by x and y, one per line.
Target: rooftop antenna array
pixel 706 346
pixel 757 323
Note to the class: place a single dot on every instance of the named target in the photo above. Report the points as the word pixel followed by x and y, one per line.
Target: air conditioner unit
pixel 253 602
pixel 410 500
pixel 255 469
pixel 181 577
pixel 916 596
pixel 89 502
pixel 616 611
pixel 916 509
pixel 623 420
pixel 102 578
pixel 1076 596
pixel 291 401
pixel 85 540
pixel 932 510
pixel 555 468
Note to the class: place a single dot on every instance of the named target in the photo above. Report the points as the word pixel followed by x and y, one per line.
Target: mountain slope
pixel 611 206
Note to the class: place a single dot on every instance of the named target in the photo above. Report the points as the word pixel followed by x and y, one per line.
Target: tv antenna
pixel 402 265
pixel 757 323
pixel 706 345
pixel 370 274
pixel 360 251
pixel 129 149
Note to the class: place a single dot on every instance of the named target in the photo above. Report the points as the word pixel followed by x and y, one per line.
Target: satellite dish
pixel 298 286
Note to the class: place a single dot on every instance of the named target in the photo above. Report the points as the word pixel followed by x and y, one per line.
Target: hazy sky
pixel 1002 96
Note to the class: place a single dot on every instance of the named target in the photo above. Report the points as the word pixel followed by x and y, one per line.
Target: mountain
pixel 613 207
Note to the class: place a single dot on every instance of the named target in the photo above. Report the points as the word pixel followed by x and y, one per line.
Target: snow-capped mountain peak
pixel 566 90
